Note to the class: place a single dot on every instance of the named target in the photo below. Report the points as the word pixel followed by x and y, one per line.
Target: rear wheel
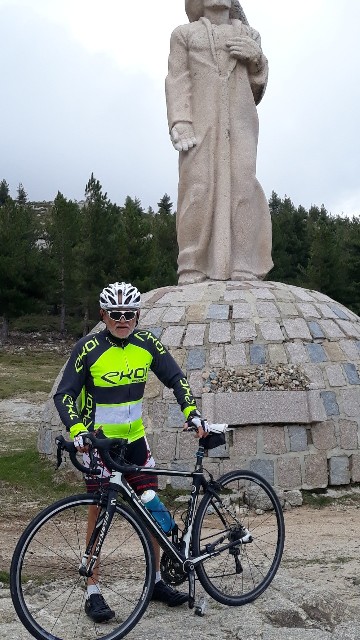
pixel 245 515
pixel 47 590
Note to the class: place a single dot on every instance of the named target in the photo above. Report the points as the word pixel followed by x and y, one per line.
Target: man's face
pixel 213 4
pixel 120 322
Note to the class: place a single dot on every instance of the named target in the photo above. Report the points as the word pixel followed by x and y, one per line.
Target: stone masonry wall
pixel 278 340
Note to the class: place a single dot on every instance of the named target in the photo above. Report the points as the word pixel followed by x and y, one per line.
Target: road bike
pixel 231 539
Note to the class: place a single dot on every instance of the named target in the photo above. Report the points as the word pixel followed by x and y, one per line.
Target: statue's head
pixel 195 9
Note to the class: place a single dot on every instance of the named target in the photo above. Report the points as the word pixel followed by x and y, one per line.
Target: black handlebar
pixel 107 448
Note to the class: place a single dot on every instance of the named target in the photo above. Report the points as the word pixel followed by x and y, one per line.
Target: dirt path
pixel 315 595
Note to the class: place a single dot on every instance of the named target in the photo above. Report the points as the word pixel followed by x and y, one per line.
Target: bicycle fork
pixel 97 537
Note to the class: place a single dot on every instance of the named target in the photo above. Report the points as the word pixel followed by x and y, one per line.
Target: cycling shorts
pixel 138 453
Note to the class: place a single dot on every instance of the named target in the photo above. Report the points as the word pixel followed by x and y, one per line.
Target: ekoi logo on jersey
pixel 189 399
pixel 126 377
pixel 88 346
pixel 146 335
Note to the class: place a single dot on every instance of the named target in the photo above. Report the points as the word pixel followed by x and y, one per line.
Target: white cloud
pixel 85 92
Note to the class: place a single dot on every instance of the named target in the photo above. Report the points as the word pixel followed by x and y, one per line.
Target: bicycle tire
pixel 238 575
pixel 47 590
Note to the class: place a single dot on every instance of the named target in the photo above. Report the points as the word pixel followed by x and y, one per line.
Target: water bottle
pixel 151 501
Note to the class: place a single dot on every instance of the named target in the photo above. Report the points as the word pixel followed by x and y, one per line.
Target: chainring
pixel 172 571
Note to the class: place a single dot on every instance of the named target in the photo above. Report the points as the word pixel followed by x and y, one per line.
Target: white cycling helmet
pixel 128 295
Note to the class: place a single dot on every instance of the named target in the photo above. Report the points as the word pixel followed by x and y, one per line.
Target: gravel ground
pixel 315 595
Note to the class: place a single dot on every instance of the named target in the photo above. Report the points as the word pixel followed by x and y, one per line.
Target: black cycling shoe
pixel 97 609
pixel 164 593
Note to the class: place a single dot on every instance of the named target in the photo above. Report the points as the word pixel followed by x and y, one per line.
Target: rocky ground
pixel 315 595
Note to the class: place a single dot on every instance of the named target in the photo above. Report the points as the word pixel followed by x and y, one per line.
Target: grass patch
pixel 28 372
pixel 316 500
pixel 34 477
pixel 302 562
pixel 5 577
pixel 319 500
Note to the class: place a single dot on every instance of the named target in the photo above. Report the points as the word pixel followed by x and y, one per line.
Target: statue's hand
pixel 245 49
pixel 182 136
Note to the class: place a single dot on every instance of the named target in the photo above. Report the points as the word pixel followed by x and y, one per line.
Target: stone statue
pixel 217 75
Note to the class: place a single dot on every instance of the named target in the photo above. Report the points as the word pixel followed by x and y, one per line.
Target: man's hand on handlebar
pixel 196 423
pixel 80 442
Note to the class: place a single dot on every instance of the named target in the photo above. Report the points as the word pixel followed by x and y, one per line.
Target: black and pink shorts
pixel 137 453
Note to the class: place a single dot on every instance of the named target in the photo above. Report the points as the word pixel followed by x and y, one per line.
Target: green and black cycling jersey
pixel 104 380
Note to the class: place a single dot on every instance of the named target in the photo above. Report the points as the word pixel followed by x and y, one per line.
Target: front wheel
pixel 241 525
pixel 49 593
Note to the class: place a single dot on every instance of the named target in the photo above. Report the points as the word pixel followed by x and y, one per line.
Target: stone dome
pixel 279 363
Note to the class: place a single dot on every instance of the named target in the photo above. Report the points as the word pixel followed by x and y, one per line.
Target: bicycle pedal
pixel 200 607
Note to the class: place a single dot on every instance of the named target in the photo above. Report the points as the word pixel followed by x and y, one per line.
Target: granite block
pixel 245 332
pixel 355 467
pixel 174 314
pixel 351 329
pixel 257 354
pixel 196 359
pixel 297 328
pixel 271 331
pixel 339 311
pixel 241 310
pixel 335 375
pixel 308 310
pixel 218 312
pixel 333 351
pixel 315 376
pixel 350 399
pixel 330 403
pixel 298 438
pixel 348 434
pixel 315 330
pixel 216 356
pixel 289 473
pixel 194 335
pixel 339 470
pixel 316 353
pixel 277 354
pixel 274 440
pixel 245 441
pixel 235 355
pixel 323 436
pixel 172 336
pixel 267 310
pixel 315 471
pixel 350 349
pixel 331 329
pixel 297 352
pixel 264 407
pixel 351 373
pixel 264 468
pixel 219 332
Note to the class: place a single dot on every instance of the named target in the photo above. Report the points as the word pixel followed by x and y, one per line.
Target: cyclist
pixel 102 388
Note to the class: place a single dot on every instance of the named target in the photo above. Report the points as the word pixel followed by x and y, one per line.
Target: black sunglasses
pixel 117 315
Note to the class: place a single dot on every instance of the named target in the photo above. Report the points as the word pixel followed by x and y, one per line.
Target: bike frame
pixel 119 485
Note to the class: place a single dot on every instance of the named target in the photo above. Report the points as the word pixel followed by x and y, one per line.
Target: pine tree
pixel 63 237
pixel 22 196
pixel 23 263
pixel 4 192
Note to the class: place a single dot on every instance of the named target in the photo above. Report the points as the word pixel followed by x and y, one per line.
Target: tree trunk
pixel 86 327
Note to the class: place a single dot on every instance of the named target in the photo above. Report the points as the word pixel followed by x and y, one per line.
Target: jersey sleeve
pixel 169 373
pixel 69 389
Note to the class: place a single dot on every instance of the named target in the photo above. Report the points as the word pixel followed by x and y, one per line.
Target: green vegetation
pixel 5 577
pixel 33 477
pixel 55 258
pixel 28 372
pixel 24 474
pixel 320 499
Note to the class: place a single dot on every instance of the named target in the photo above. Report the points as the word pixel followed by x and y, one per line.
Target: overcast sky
pixel 82 90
